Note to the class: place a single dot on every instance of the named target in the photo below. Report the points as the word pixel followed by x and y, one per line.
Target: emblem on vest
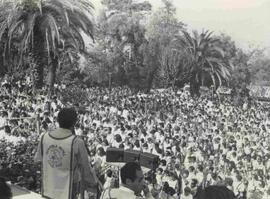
pixel 55 155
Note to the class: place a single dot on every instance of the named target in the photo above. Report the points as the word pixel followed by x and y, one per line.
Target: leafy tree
pixel 261 71
pixel 248 66
pixel 241 74
pixel 45 28
pixel 228 46
pixel 120 37
pixel 162 29
pixel 206 60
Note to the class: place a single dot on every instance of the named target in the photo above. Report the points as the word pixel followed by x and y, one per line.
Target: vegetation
pixel 132 45
pixel 205 60
pixel 47 29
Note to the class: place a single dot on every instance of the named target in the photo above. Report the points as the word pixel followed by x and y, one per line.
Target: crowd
pixel 200 142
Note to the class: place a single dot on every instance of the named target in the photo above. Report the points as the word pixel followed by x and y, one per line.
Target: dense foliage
pixel 46 29
pixel 133 45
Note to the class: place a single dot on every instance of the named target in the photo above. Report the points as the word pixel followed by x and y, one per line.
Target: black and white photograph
pixel 135 99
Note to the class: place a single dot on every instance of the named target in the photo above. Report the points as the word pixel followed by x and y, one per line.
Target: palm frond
pixel 3 28
pixel 51 25
pixel 11 30
pixel 59 23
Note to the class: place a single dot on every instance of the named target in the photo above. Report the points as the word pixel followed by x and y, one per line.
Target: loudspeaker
pixel 149 160
pixel 131 156
pixel 114 155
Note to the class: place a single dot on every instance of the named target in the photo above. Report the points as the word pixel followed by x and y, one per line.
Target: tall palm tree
pixel 46 29
pixel 205 60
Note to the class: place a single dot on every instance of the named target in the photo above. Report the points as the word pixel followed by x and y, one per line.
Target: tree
pixel 45 28
pixel 162 29
pixel 251 69
pixel 8 66
pixel 241 74
pixel 260 70
pixel 227 45
pixel 206 60
pixel 120 37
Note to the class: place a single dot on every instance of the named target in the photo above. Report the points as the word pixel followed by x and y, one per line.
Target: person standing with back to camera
pixel 66 171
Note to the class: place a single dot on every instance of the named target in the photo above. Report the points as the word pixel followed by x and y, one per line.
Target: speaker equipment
pixel 146 160
pixel 114 155
pixel 132 156
pixel 149 160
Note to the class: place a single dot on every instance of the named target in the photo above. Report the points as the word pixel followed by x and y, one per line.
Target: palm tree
pixel 47 29
pixel 205 60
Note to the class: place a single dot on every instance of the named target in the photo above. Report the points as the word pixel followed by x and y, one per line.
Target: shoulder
pixel 78 143
pixel 120 194
pixel 78 140
pixel 106 193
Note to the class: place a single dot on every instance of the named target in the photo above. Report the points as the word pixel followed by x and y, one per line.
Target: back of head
pixel 67 118
pixel 216 192
pixel 128 171
pixel 5 191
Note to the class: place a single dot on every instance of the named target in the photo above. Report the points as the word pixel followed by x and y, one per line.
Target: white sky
pixel 246 21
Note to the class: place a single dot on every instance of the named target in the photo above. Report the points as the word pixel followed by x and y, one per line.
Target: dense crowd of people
pixel 200 142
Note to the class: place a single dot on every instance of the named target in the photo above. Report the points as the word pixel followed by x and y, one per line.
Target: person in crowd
pixel 205 142
pixel 187 194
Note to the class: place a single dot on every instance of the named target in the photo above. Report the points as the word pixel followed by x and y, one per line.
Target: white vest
pixel 57 168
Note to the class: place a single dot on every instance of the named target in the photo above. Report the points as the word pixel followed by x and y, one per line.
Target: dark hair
pixel 168 190
pixel 191 168
pixel 67 118
pixel 118 138
pixel 137 143
pixel 45 125
pixel 5 191
pixel 7 129
pixel 216 192
pixel 163 162
pixel 109 173
pixel 102 151
pixel 187 190
pixel 145 145
pixel 129 171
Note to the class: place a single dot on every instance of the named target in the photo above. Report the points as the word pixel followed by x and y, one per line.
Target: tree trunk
pixel 191 87
pixel 194 86
pixel 38 71
pixel 52 74
pixel 40 58
pixel 150 79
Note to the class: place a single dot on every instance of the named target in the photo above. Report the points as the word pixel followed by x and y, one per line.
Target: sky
pixel 246 21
